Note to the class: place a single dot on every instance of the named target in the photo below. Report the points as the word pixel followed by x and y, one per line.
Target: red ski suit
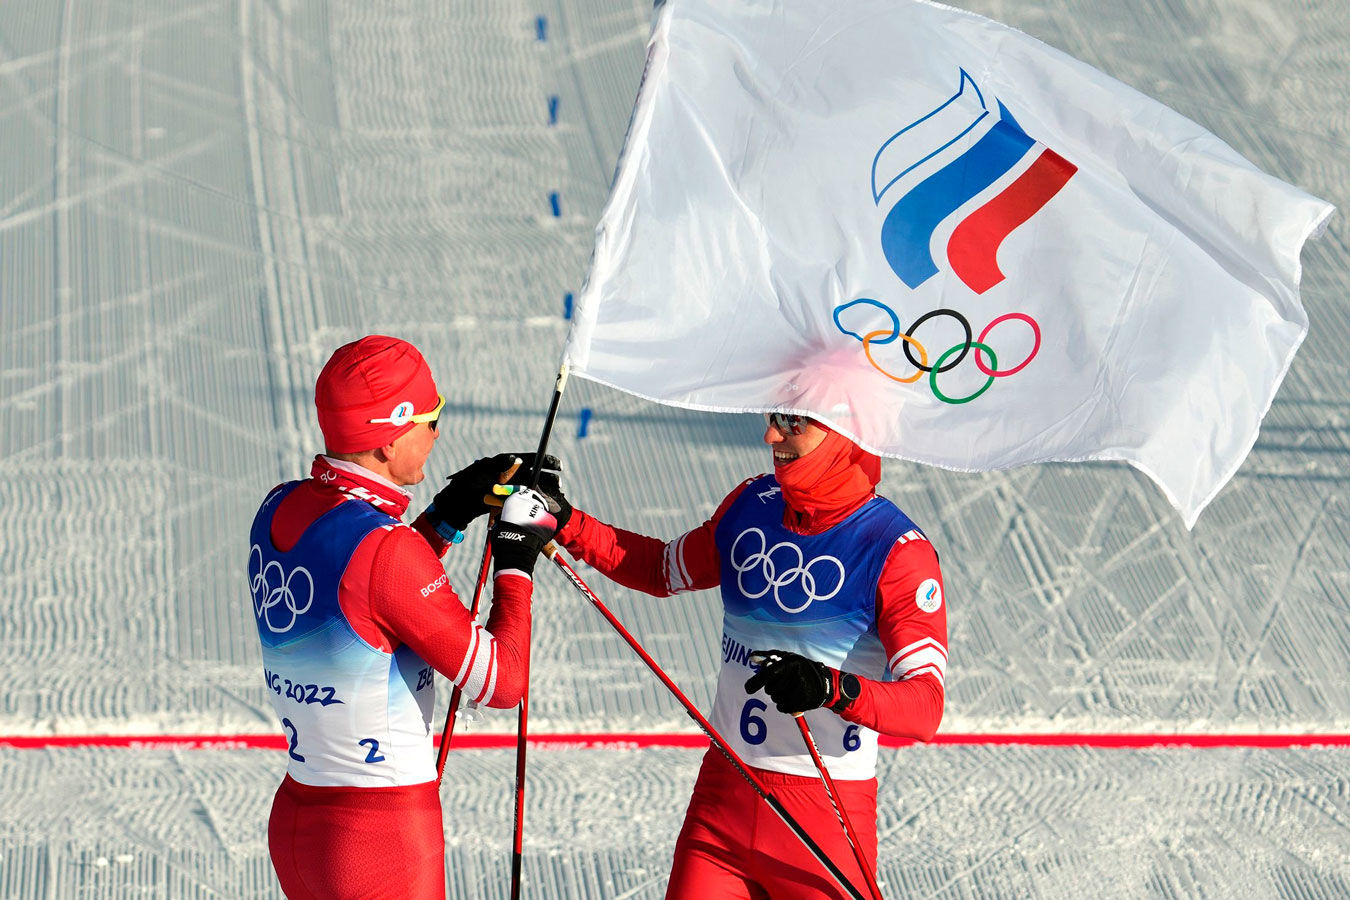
pixel 732 845
pixel 343 837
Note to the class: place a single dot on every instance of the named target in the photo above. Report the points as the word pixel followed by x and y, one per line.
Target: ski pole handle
pixel 457 694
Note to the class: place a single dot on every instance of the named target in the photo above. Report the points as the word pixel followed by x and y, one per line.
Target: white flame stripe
pixel 908 152
pixel 677 576
pixel 935 671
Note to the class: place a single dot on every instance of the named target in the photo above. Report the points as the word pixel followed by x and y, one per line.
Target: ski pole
pixel 457 694
pixel 518 839
pixel 840 813
pixel 717 740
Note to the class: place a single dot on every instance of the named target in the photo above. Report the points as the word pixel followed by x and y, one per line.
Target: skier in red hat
pixel 355 613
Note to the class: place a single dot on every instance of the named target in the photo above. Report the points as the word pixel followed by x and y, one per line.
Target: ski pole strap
pixel 717 740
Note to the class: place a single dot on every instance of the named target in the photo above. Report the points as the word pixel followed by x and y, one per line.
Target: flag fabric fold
pixel 944 238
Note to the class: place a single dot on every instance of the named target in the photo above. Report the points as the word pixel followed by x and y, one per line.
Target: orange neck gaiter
pixel 827 484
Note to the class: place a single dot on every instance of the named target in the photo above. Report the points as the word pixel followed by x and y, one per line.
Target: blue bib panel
pixel 808 594
pixel 353 714
pixel 295 594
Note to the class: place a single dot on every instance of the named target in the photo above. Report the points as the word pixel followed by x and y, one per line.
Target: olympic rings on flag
pixel 867 348
pixel 965 346
pixel 1035 348
pixel 937 367
pixel 895 320
pixel 944 362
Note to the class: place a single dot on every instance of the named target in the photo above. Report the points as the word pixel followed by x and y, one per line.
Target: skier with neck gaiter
pixel 833 607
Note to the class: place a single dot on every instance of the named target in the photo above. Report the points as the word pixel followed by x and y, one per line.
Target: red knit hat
pixel 368 392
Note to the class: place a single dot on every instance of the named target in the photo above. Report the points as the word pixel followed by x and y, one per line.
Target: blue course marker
pixel 553 109
pixel 583 421
pixel 567 305
pixel 541 28
pixel 555 202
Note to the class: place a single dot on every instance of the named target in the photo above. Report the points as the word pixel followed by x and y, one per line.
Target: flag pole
pixel 558 387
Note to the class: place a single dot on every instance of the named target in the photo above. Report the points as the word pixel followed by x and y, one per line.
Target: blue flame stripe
pixel 909 226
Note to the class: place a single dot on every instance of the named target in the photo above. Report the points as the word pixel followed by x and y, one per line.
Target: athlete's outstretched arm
pixel 648 564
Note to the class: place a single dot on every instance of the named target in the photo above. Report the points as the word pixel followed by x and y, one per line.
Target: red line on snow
pixel 630 741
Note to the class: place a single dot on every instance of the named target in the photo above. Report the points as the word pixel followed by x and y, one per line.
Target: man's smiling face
pixel 792 440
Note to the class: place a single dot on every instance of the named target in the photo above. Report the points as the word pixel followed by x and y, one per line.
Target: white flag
pixel 946 239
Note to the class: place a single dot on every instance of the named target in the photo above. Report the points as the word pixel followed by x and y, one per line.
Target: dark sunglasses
pixel 788 423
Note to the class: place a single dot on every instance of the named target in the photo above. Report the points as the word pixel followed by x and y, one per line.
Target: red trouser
pixel 332 843
pixel 733 846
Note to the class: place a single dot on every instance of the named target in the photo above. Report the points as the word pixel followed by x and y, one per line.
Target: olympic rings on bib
pixel 947 360
pixel 271 585
pixel 761 563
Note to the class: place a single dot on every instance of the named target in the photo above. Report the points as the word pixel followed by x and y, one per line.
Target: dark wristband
pixel 849 688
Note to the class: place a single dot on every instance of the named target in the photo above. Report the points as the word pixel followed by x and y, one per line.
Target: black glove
pixel 525 526
pixel 462 499
pixel 797 684
pixel 549 484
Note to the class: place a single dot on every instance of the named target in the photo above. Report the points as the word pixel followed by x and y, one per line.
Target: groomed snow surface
pixel 199 201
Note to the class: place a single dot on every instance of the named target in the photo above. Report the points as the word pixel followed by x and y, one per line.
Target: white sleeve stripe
pixel 925 644
pixel 482 663
pixel 491 680
pixel 919 659
pixel 677 576
pixel 928 641
pixel 685 579
pixel 925 670
pixel 468 656
pixel 669 566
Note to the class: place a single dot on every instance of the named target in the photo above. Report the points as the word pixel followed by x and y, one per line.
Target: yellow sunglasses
pixel 403 414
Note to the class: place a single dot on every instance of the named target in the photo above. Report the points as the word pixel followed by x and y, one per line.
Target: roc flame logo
pixel 927 172
pixel 925 202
